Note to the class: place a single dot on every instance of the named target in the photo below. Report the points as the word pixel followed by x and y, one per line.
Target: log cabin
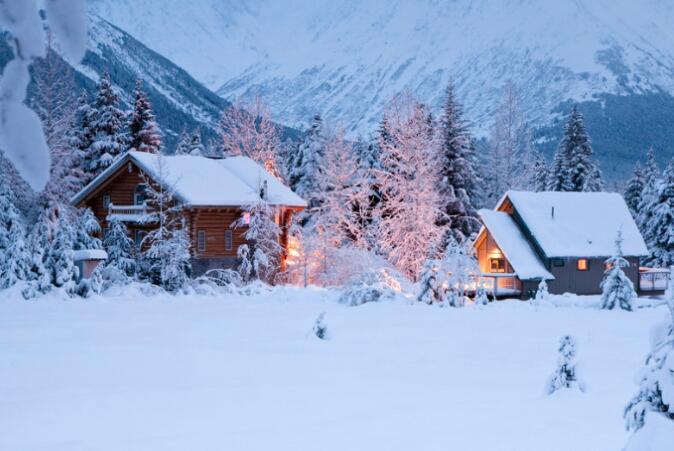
pixel 211 193
pixel 563 238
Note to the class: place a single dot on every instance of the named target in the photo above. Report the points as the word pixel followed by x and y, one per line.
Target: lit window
pixel 201 240
pixel 246 218
pixel 497 265
pixel 228 240
pixel 583 264
pixel 106 200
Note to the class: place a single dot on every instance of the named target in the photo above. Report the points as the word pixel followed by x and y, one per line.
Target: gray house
pixel 562 237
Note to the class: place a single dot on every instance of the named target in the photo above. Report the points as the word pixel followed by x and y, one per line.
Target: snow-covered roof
pixel 570 224
pixel 514 245
pixel 90 254
pixel 201 181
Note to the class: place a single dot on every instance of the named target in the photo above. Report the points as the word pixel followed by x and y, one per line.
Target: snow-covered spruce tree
pixel 59 258
pixel 408 179
pixel 565 376
pixel 430 289
pixel 166 248
pixel 183 144
pixel 656 385
pixel 263 239
pixel 38 275
pixel 86 230
pixel 538 174
pixel 245 267
pixel 120 249
pixel 481 297
pixel 460 269
pixel 320 329
pixel 459 180
pixel 509 147
pixel 634 190
pixel 617 288
pixel 542 291
pixel 247 129
pixel 573 168
pixel 14 255
pixel 107 121
pixel 660 227
pixel 144 134
pixel 649 197
pixel 195 146
pixel 306 168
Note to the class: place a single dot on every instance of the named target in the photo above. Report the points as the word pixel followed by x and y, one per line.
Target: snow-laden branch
pixel 21 136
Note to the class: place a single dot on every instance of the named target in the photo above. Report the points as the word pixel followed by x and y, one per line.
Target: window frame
pixel 583 264
pixel 499 262
pixel 229 240
pixel 201 240
pixel 137 190
pixel 558 262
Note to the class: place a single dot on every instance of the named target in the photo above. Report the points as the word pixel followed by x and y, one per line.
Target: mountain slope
pixel 346 59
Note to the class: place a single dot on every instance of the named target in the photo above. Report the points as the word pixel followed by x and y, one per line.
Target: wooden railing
pixel 129 213
pixel 653 279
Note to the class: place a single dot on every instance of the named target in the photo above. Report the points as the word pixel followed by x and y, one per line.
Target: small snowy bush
pixel 320 329
pixel 481 296
pixel 617 288
pixel 542 292
pixel 371 286
pixel 565 375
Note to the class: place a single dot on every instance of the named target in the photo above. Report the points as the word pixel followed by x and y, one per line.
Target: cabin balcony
pixel 500 285
pixel 653 280
pixel 130 213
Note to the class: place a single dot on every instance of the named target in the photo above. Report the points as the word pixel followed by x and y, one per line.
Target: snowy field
pixel 229 372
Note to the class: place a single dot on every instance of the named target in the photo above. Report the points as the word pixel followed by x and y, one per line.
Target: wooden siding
pixel 486 249
pixel 214 222
pixel 568 279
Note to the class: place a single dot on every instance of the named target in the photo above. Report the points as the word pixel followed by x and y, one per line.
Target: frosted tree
pixel 86 230
pixel 617 288
pixel 509 146
pixel 245 267
pixel 144 133
pixel 460 268
pixel 429 281
pixel 307 166
pixel 107 122
pixel 183 144
pixel 166 248
pixel 120 248
pixel 408 177
pixel 459 181
pixel 59 258
pixel 660 227
pixel 249 131
pixel 14 254
pixel 481 297
pixel 262 235
pixel 649 197
pixel 538 174
pixel 40 280
pixel 656 385
pixel 565 376
pixel 573 168
pixel 542 291
pixel 195 146
pixel 21 134
pixel 634 190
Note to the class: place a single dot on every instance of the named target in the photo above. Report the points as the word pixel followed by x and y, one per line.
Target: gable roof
pixel 514 245
pixel 582 225
pixel 201 181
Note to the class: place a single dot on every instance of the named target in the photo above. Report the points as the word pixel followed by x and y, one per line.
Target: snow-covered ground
pixel 231 372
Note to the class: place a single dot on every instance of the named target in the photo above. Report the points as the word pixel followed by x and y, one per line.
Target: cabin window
pixel 558 262
pixel 139 195
pixel 497 265
pixel 106 200
pixel 582 264
pixel 246 218
pixel 228 240
pixel 138 237
pixel 201 240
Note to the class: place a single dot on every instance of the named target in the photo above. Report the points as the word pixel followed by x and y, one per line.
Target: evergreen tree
pixel 660 227
pixel 538 177
pixel 167 246
pixel 14 256
pixel 144 134
pixel 120 248
pixel 195 147
pixel 634 190
pixel 617 288
pixel 649 196
pixel 431 290
pixel 38 245
pixel 183 145
pixel 573 167
pixel 565 375
pixel 245 268
pixel 106 127
pixel 542 291
pixel 59 259
pixel 86 229
pixel 306 170
pixel 263 248
pixel 656 387
pixel 458 176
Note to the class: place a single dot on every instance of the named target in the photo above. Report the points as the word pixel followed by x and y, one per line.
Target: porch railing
pixel 653 279
pixel 129 213
pixel 500 284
